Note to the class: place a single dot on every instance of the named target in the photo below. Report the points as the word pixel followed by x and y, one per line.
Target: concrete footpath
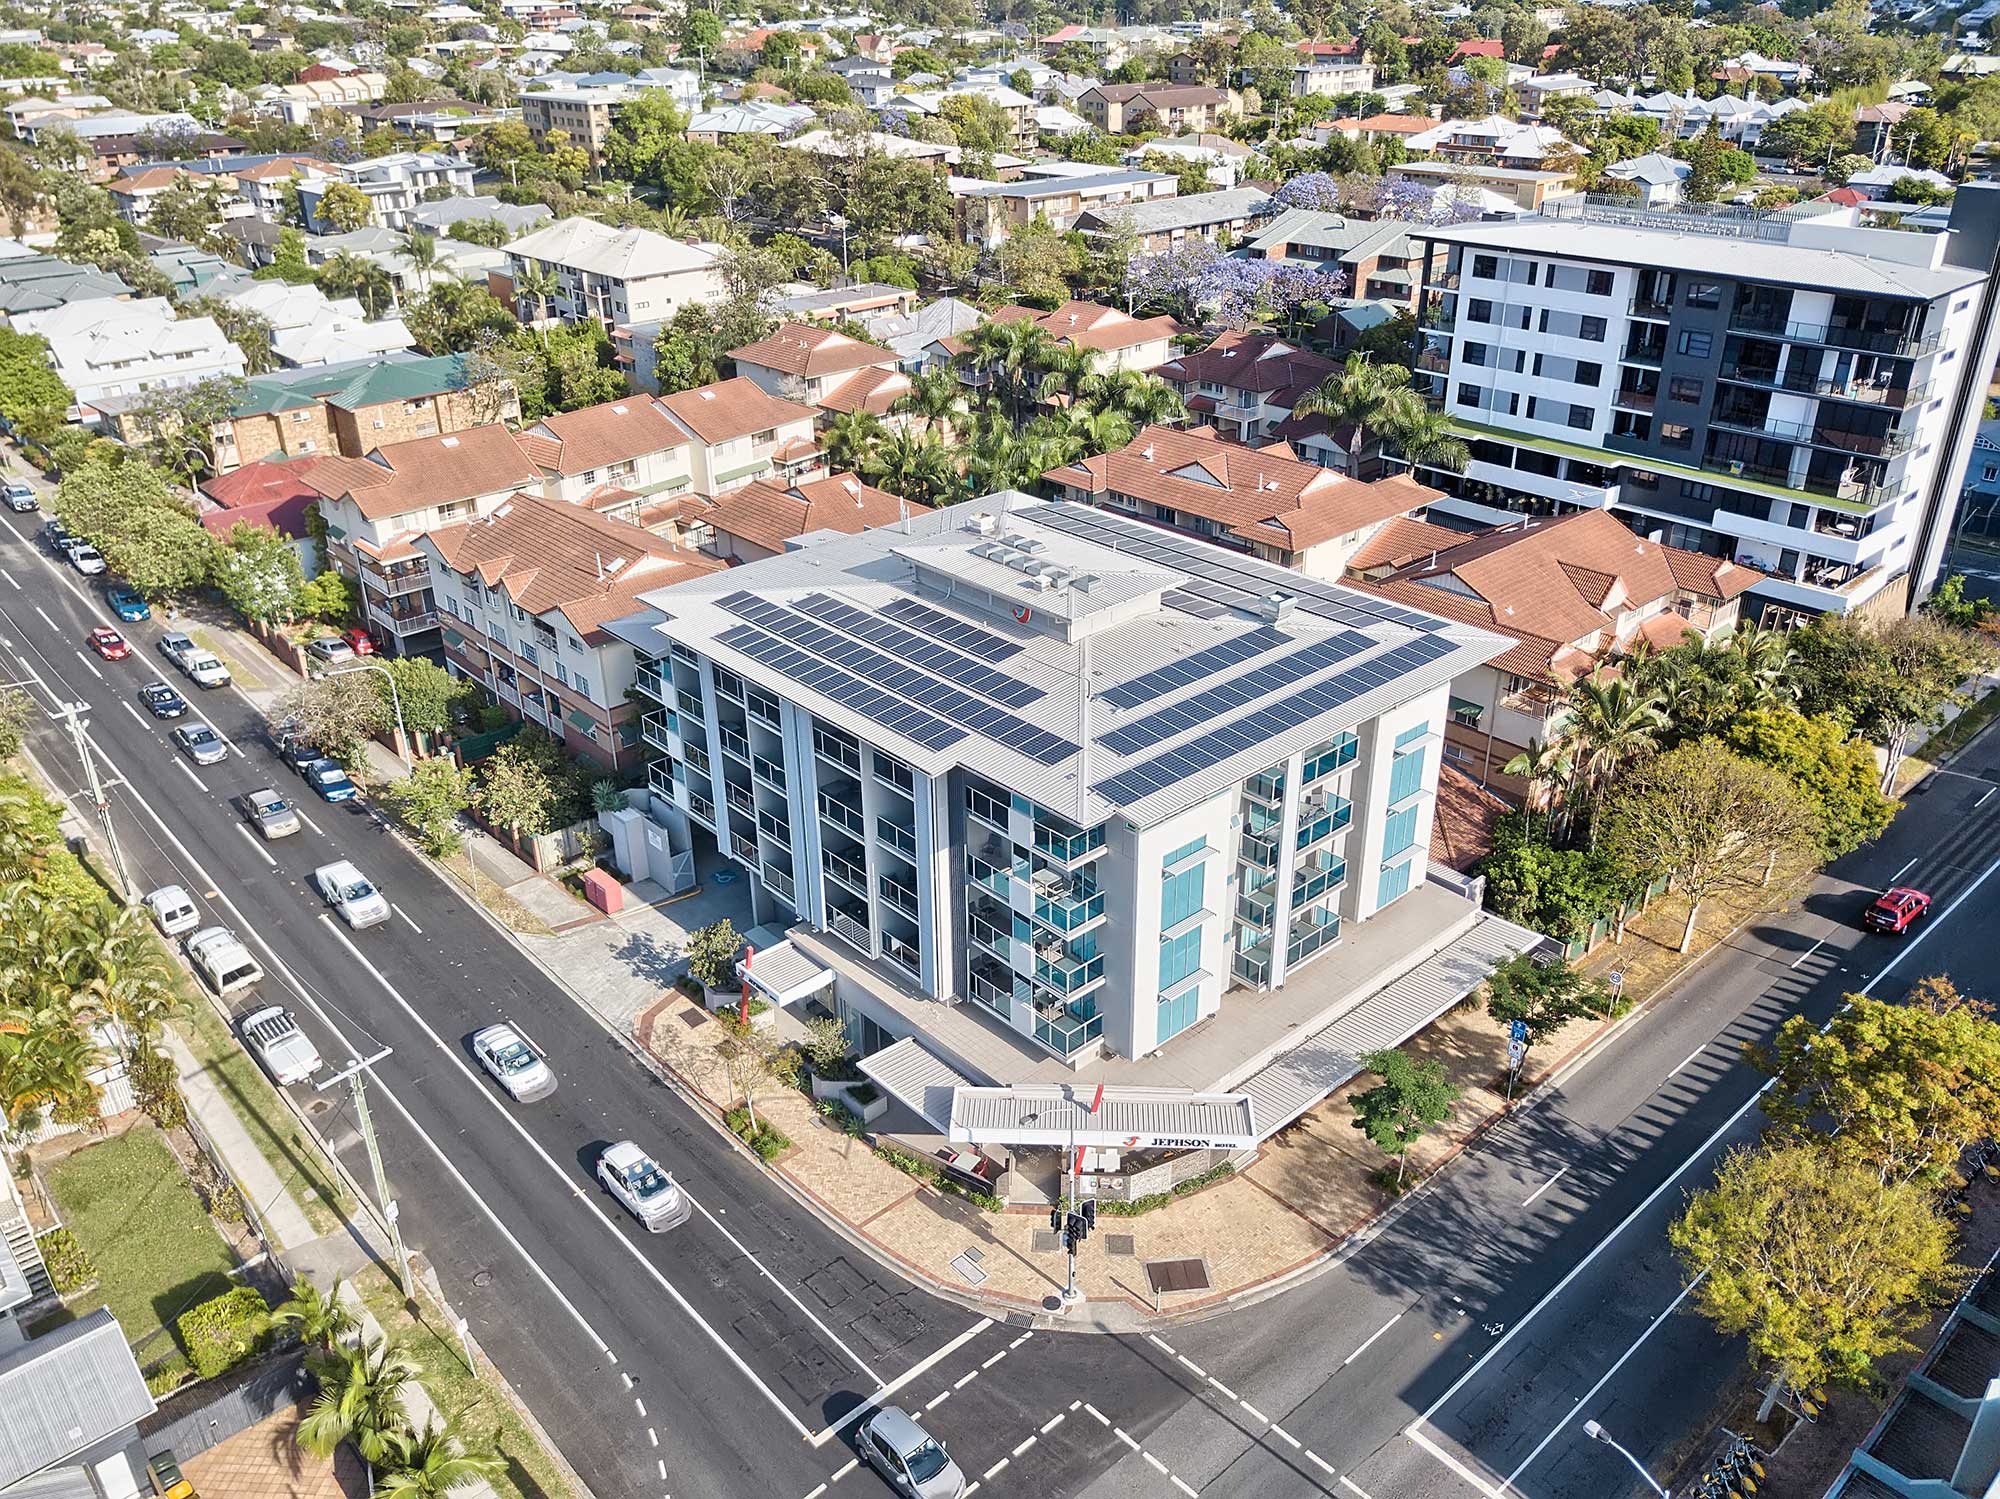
pixel 283 1220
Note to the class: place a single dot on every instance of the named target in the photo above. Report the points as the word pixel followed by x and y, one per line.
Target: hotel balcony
pixel 850 872
pixel 1067 1029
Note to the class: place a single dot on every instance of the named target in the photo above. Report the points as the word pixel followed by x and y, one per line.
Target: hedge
pixel 222 1333
pixel 934 1176
pixel 69 1266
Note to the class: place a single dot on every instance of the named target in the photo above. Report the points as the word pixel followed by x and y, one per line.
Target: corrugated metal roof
pixel 786 974
pixel 1302 1077
pixel 913 1077
pixel 67 1391
pixel 1060 1114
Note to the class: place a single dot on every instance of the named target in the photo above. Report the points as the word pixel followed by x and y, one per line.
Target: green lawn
pixel 155 1251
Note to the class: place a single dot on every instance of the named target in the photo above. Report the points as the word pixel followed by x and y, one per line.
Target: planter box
pixel 825 1088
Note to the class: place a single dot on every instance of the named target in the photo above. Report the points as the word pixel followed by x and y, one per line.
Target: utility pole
pixel 71 715
pixel 351 1074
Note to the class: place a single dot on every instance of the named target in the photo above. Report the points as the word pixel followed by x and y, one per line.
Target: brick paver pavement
pixel 265 1463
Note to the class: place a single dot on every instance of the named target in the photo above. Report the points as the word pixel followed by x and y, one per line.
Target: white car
pixel 286 1052
pixel 205 668
pixel 173 910
pixel 349 892
pixel 221 959
pixel 649 1194
pixel 330 650
pixel 514 1064
pixel 87 560
pixel 19 496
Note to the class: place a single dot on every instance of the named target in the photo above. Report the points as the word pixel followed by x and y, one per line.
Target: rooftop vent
pixel 450 442
pixel 706 395
pixel 983 522
pixel 1274 607
pixel 620 410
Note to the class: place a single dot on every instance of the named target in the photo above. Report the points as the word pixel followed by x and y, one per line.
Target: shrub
pixel 70 1268
pixel 932 1175
pixel 766 1139
pixel 223 1332
pixel 168 1375
pixel 1152 1200
pixel 156 1088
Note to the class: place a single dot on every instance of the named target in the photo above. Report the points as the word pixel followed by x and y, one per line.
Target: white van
pixel 223 962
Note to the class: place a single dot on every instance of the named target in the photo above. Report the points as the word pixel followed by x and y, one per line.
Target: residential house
pixel 394 185
pixel 1258 500
pixel 1493 141
pixel 271 493
pixel 1656 176
pixel 1382 127
pixel 822 367
pixel 989 212
pixel 71 1402
pixel 922 339
pixel 297 103
pixel 374 507
pixel 268 186
pixel 1571 592
pixel 1166 223
pixel 711 127
pixel 523 593
pixel 617 276
pixel 619 458
pixel 1377 255
pixel 1224 159
pixel 1124 108
pixel 585 115
pixel 741 432
pixel 134 194
pixel 1331 78
pixel 37 283
pixel 861 302
pixel 1535 93
pixel 1875 128
pixel 762 518
pixel 1246 384
pixel 1489 188
pixel 515 218
pixel 1123 342
pixel 107 348
pixel 308 327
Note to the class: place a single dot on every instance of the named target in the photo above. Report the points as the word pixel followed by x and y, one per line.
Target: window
pixel 1400 832
pixel 1180 892
pixel 1176 1015
pixel 1406 770
pixel 1591 328
pixel 1476 354
pixel 1579 416
pixel 769 434
pixel 1179 958
pixel 1588 372
pixel 1395 883
pixel 1487 266
pixel 1681 388
pixel 1478 310
pixel 1696 344
pixel 1598 284
pixel 1470 395
pixel 1704 294
pixel 1676 435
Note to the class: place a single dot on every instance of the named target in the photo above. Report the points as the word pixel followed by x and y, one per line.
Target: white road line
pixel 1161 1343
pixel 1582 1400
pixel 1279 1431
pixel 1102 1419
pixel 1119 1432
pixel 817 1492
pixel 851 1464
pixel 995 1359
pixel 938 1400
pixel 188 771
pixel 1156 1463
pixel 1982 800
pixel 135 713
pixel 1054 1421
pixel 307 820
pixel 1026 1445
pixel 1321 1463
pixel 46 620
pixel 1022 1339
pixel 1529 1200
pixel 262 852
pixel 970 1489
pixel 628 1380
pixel 406 916
pixel 1814 948
pixel 1699 1152
pixel 1689 1058
pixel 1352 1487
pixel 90 666
pixel 653 1432
pixel 966 1380
pixel 1256 1415
pixel 1372 1337
pixel 995 1468
pixel 640 1406
pixel 914 1372
pixel 588 1204
pixel 1901 872
pixel 1199 1371
pixel 1442 1456
pixel 789 1294
pixel 1223 1387
pixel 10 578
pixel 1175 1480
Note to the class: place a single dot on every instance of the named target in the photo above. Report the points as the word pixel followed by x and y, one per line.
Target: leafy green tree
pixel 1400 1110
pixel 17 712
pixel 1544 997
pixel 700 31
pixel 288 260
pixel 338 712
pixel 431 799
pixel 249 331
pixel 1809 138
pixel 329 599
pixel 1886 680
pixel 189 210
pixel 1708 820
pixel 647 128
pixel 516 790
pixel 1834 770
pixel 453 316
pixel 712 952
pixel 257 570
pixel 27 384
pixel 428 693
pixel 343 208
pixel 179 422
pixel 1899 1090
pixel 1950 603
pixel 1822 1268
pixel 320 1318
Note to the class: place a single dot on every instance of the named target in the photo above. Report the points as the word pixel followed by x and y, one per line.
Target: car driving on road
pixel 649 1194
pixel 162 701
pixel 330 781
pixel 504 1053
pixel 1896 911
pixel 274 816
pixel 201 744
pixel 19 496
pixel 108 643
pixel 173 910
pixel 912 1460
pixel 351 893
pixel 286 1051
pixel 126 603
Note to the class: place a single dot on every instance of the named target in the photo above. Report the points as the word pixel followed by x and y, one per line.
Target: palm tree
pixel 320 1317
pixel 1066 371
pixel 675 221
pixel 850 437
pixel 537 284
pixel 423 252
pixel 1545 767
pixel 934 395
pixel 916 468
pixel 359 1400
pixel 1426 440
pixel 133 981
pixel 1614 723
pixel 45 1067
pixel 1768 657
pixel 430 1464
pixel 1370 400
pixel 1142 399
pixel 1009 353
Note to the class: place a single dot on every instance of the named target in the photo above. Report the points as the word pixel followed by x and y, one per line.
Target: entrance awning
pixel 786 976
pixel 915 1079
pixel 1060 1115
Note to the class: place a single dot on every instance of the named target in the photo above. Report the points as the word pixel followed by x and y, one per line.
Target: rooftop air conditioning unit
pixel 1274 607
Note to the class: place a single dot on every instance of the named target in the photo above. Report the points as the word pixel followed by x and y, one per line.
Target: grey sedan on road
pixel 274 816
pixel 202 744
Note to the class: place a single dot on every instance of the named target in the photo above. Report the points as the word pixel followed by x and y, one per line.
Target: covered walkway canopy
pixel 1082 1113
pixel 917 1079
pixel 786 976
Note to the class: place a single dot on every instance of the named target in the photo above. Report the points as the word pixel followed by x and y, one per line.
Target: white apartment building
pixel 1086 774
pixel 395 185
pixel 1795 393
pixel 106 348
pixel 614 275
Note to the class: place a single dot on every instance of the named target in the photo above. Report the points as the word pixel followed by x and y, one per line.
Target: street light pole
pixel 1598 1434
pixel 351 1074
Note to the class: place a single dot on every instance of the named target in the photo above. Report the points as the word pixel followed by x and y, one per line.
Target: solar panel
pixel 1201 709
pixel 1257 728
pixel 915 724
pixel 910 646
pixel 886 672
pixel 1187 603
pixel 981 643
pixel 1192 668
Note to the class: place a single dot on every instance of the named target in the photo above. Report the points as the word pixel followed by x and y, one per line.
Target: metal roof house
pixel 70 1404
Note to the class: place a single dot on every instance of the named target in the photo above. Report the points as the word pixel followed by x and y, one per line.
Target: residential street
pixel 1492 1314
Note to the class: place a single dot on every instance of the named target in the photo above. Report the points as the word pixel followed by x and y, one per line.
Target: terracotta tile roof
pixel 614 432
pixel 146 181
pixel 1402 540
pixel 427 471
pixel 1464 818
pixel 283 167
pixel 262 493
pixel 768 515
pixel 1260 495
pixel 1259 362
pixel 732 408
pixel 807 351
pixel 1392 124
pixel 1092 325
pixel 545 451
pixel 872 390
pixel 548 555
pixel 1479 47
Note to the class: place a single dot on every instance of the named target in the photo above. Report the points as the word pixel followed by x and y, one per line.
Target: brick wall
pixel 284 434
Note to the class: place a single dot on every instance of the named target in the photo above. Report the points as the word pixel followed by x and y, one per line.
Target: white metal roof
pixel 1062 1115
pixel 916 1079
pixel 787 975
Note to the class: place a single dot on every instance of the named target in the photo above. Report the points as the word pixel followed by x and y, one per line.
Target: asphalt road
pixel 1461 1345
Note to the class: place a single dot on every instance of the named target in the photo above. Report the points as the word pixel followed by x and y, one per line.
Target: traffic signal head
pixel 1055 1220
pixel 1090 1215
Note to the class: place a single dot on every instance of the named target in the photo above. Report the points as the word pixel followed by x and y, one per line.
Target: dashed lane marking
pixel 1102 1419
pixel 1054 1421
pixel 1161 1342
pixel 968 1379
pixel 1200 1372
pixel 938 1400
pixel 1256 1415
pixel 1119 1432
pixel 1353 1487
pixel 1224 1388
pixel 996 1468
pixel 1176 1481
pixel 1153 1461
pixel 1021 1339
pixel 1024 1446
pixel 995 1359
pixel 1530 1202
pixel 1319 1462
pixel 844 1469
pixel 1279 1431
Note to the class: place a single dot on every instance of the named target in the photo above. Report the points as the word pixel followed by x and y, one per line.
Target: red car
pixel 109 644
pixel 360 642
pixel 1896 910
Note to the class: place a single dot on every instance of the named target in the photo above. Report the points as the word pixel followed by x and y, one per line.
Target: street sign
pixel 1516 1050
pixel 1517 1033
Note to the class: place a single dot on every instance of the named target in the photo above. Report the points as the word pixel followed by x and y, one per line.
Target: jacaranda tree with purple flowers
pixel 1196 280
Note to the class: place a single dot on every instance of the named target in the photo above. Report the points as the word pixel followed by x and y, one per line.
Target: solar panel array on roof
pixel 914 724
pixel 1216 575
pixel 1274 676
pixel 920 651
pixel 1003 728
pixel 1254 730
pixel 1187 603
pixel 1192 668
pixel 982 643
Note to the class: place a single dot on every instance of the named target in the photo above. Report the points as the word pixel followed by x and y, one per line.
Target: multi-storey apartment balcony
pixel 1316 825
pixel 1890 443
pixel 1336 754
pixel 739 798
pixel 1067 1028
pixel 661 777
pixel 729 685
pixel 744 848
pixel 703 808
pixel 987 811
pixel 897 895
pixel 903 953
pixel 1638 391
pixel 1066 972
pixel 843 815
pixel 894 773
pixel 764 708
pixel 1311 931
pixel 779 881
pixel 1311 881
pixel 1906 342
pixel 655 681
pixel 769 772
pixel 1268 787
pixel 849 870
pixel 1070 903
pixel 993 987
pixel 1647 345
pixel 697 758
pixel 995 879
pixel 900 838
pixel 411 617
pixel 774 827
pixel 1068 846
pixel 1883 387
pixel 393 579
pixel 984 927
pixel 1253 964
pixel 1649 304
pixel 1849 487
pixel 838 750
pixel 1261 849
pixel 689 702
pixel 851 927
pixel 1257 907
pixel 654 728
pixel 735 742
